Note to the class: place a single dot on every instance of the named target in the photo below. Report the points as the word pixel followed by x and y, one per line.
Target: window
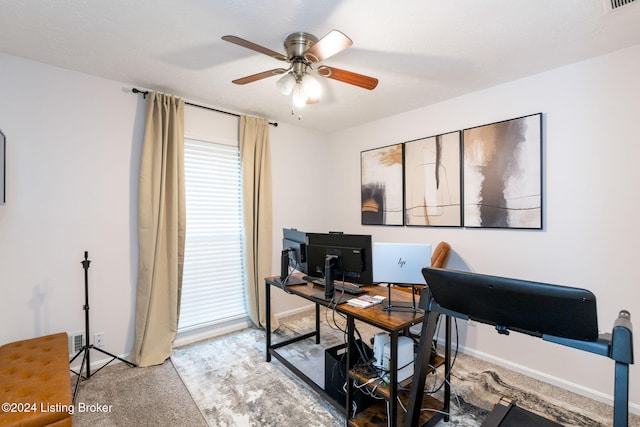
pixel 213 281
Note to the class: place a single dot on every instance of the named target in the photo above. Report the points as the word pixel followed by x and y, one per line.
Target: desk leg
pixel 350 344
pixel 447 369
pixel 317 323
pixel 267 293
pixel 393 381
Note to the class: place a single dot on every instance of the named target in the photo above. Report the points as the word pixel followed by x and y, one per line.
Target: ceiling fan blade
pixel 327 46
pixel 350 77
pixel 255 47
pixel 259 76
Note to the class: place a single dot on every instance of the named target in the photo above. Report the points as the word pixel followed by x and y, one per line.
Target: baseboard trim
pixel 294 311
pixel 211 331
pixel 634 408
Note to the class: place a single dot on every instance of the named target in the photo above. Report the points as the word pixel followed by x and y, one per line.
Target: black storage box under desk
pixel 335 377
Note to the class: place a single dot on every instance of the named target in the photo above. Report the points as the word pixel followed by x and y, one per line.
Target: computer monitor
pixel 293 255
pixel 400 263
pixel 294 242
pixel 340 256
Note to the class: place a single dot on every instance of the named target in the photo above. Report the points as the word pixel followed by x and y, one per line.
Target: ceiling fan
pixel 303 52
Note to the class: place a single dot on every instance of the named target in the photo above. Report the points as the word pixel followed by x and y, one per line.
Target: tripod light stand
pixel 86 349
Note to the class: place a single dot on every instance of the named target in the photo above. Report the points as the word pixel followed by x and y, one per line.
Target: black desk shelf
pixel 383 390
pixel 377 414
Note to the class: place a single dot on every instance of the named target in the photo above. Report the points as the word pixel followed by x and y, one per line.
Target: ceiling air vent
pixel 612 5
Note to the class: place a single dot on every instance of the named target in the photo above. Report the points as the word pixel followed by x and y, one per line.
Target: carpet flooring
pixel 153 396
pixel 226 381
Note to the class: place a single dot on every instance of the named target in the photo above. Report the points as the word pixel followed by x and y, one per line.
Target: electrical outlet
pixel 98 339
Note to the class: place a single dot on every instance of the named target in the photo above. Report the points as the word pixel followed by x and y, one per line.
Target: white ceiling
pixel 422 51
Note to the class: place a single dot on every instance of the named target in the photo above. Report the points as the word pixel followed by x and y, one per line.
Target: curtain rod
pixel 145 92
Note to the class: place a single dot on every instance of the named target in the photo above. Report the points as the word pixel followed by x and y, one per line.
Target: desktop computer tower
pixel 382 355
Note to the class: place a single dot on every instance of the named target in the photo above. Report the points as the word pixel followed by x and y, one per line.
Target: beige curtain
pixel 161 230
pixel 255 158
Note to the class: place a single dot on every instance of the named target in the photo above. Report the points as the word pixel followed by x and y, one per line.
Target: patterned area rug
pixel 233 385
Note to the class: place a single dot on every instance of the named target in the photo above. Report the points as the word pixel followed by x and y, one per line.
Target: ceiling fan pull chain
pixel 293 111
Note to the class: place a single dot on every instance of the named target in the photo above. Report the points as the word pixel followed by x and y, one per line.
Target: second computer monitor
pixel 294 243
pixel 352 251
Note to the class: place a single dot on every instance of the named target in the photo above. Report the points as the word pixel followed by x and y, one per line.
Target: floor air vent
pixel 76 342
pixel 612 5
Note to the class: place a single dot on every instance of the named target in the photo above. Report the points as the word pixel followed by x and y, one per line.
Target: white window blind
pixel 212 286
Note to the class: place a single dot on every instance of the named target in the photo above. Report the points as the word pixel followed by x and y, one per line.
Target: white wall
pixel 591 155
pixel 72 144
pixel 73 153
pixel 298 158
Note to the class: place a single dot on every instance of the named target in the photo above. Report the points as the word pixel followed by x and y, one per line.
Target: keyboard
pixel 339 285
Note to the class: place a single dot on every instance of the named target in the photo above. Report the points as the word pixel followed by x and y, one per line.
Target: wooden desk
pixel 393 322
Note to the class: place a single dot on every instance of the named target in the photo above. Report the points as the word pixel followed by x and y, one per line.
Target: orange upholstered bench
pixel 35 383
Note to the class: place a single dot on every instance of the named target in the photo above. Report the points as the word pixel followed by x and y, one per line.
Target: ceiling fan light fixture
pixel 286 83
pixel 299 96
pixel 303 52
pixel 312 87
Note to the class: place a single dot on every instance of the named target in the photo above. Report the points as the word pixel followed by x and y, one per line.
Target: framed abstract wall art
pixel 503 174
pixel 433 181
pixel 381 185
